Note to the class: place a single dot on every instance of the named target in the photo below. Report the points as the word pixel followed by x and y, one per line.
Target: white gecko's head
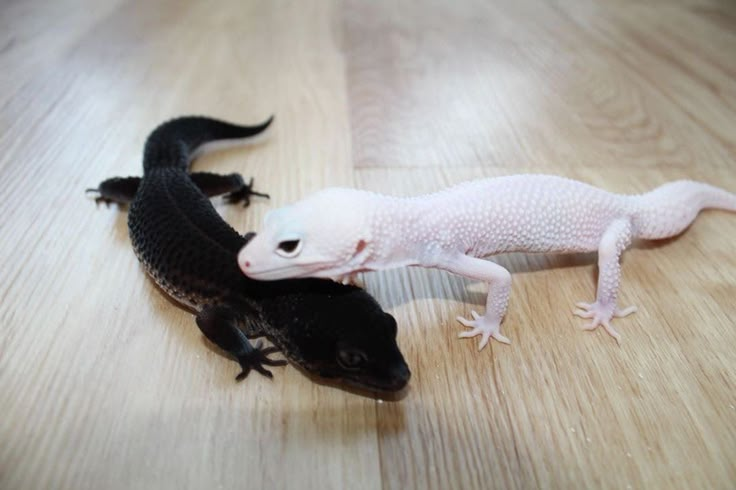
pixel 325 235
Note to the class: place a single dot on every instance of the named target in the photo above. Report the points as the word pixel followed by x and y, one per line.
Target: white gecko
pixel 338 232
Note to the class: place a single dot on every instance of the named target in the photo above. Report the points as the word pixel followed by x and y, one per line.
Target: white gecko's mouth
pixel 319 269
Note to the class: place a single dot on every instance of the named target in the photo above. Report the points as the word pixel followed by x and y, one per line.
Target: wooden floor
pixel 106 384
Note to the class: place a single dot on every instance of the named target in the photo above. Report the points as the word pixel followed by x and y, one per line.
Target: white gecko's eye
pixel 289 248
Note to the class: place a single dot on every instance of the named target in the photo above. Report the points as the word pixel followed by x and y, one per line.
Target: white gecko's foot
pixel 485 327
pixel 602 314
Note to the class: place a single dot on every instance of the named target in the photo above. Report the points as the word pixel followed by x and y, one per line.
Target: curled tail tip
pixel 264 125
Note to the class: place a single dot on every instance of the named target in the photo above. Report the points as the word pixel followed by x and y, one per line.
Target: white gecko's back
pixel 526 213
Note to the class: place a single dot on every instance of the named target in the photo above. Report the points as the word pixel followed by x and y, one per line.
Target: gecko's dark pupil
pixel 289 246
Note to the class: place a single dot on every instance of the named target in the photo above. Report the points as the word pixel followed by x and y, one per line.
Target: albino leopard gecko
pixel 340 231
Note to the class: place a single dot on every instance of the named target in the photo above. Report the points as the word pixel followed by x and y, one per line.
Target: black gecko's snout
pixel 400 376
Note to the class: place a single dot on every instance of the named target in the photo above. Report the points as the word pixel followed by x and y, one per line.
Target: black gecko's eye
pixel 289 248
pixel 351 358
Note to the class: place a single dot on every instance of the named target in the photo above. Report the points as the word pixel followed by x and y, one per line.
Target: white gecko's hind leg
pixel 614 241
pixel 499 281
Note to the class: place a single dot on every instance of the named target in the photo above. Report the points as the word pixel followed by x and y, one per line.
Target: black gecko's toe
pixel 272 362
pixel 98 197
pixel 244 374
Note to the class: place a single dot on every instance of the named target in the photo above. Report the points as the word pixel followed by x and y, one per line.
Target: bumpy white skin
pixel 343 231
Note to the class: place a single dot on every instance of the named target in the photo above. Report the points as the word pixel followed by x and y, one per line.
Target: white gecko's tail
pixel 669 209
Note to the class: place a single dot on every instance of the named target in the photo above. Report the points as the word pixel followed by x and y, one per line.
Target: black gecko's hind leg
pixel 232 185
pixel 121 190
pixel 219 324
pixel 116 189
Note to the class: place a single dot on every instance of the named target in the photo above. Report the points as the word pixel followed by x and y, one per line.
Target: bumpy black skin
pixel 327 329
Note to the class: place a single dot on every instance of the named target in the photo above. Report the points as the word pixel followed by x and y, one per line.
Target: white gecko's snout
pixel 243 261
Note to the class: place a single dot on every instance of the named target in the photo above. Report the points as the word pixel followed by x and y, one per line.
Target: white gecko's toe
pixel 501 338
pixel 583 313
pixel 622 312
pixel 600 322
pixel 484 336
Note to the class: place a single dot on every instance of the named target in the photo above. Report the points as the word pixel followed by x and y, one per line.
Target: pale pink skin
pixel 344 231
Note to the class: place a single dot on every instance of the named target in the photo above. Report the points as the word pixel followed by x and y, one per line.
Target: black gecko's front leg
pixel 219 325
pixel 122 190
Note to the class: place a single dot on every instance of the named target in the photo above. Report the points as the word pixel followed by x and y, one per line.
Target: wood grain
pixel 106 384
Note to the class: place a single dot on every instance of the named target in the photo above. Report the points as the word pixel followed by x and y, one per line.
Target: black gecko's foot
pixel 219 324
pixel 256 359
pixel 99 198
pixel 243 194
pixel 120 190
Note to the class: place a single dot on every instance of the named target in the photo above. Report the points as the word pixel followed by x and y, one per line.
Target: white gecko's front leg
pixel 614 241
pixel 499 282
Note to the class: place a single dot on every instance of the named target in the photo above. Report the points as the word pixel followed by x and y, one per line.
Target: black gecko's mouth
pixel 398 378
pixel 391 386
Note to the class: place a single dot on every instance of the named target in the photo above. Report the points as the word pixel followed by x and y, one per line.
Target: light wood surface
pixel 106 384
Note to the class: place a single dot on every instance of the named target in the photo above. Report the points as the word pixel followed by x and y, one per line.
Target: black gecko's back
pixel 326 328
pixel 182 241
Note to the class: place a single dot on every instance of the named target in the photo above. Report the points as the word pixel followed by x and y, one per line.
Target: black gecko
pixel 327 329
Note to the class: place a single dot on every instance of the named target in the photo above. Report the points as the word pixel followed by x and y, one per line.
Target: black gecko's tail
pixel 175 143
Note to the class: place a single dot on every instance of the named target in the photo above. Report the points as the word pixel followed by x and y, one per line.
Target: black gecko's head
pixel 340 332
